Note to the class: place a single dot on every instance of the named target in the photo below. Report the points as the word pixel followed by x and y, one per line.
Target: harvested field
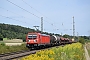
pixel 13 41
pixel 13 44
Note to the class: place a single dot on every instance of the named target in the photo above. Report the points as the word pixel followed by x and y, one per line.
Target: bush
pixel 81 40
pixel 87 40
pixel 3 44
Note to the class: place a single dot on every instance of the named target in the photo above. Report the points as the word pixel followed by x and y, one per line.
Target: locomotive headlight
pixel 35 40
pixel 28 40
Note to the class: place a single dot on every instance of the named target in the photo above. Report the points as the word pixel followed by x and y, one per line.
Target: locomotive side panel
pixel 45 39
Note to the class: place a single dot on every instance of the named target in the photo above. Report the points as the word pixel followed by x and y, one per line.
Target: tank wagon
pixel 54 40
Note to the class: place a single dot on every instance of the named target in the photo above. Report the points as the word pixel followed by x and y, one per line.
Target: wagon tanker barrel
pixel 54 39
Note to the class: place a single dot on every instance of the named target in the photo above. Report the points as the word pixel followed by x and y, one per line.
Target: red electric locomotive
pixel 37 39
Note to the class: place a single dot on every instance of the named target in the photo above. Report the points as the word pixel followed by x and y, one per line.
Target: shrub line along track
pixel 14 55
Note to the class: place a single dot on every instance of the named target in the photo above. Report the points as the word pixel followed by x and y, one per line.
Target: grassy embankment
pixel 8 49
pixel 69 52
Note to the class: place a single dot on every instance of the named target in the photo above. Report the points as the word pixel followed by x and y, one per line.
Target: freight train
pixel 34 40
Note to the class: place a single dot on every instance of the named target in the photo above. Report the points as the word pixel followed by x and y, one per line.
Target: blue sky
pixel 57 14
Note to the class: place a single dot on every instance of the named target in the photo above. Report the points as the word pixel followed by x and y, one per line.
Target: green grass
pixel 87 41
pixel 1 42
pixel 8 49
pixel 5 38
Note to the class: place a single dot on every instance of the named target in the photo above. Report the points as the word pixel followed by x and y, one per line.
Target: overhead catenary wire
pixel 34 9
pixel 30 12
pixel 12 19
pixel 23 9
pixel 31 7
pixel 52 24
pixel 15 13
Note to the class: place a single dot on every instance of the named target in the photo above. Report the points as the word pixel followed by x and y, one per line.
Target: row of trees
pixel 13 31
pixel 19 32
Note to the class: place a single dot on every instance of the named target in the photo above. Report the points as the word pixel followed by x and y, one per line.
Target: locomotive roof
pixel 44 35
pixel 38 33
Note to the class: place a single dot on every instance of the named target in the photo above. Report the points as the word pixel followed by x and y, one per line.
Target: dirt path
pixel 86 53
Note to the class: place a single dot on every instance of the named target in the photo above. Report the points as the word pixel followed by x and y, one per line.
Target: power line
pixel 34 8
pixel 14 13
pixel 13 19
pixel 11 11
pixel 31 7
pixel 30 12
pixel 22 8
pixel 40 13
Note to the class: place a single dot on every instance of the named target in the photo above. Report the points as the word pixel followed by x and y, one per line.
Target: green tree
pixel 1 35
pixel 66 36
pixel 13 31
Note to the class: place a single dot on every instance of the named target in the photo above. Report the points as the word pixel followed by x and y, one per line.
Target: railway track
pixel 15 55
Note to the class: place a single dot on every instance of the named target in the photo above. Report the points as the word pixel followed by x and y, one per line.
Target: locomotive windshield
pixel 32 36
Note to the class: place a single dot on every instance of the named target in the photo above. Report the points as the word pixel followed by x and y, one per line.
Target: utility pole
pixel 61 33
pixel 41 24
pixel 89 34
pixel 77 36
pixel 73 28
